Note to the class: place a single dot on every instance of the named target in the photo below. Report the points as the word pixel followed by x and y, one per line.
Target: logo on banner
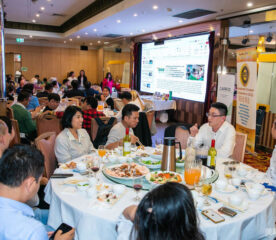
pixel 244 74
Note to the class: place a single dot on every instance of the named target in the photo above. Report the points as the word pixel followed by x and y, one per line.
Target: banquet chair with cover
pixel 71 101
pixel 239 149
pixel 16 139
pixel 182 135
pixel 49 123
pixel 80 98
pixel 9 112
pixel 100 128
pixel 46 143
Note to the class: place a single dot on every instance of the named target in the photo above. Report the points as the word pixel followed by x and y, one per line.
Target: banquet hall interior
pixel 127 102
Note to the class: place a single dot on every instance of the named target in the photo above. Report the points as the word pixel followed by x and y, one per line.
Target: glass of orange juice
pixel 100 106
pixel 192 171
pixel 101 151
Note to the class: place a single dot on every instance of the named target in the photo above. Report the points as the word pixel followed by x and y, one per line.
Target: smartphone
pixel 63 227
pixel 62 175
pixel 213 216
pixel 227 211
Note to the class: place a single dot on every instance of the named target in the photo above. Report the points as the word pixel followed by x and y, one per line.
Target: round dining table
pixel 103 222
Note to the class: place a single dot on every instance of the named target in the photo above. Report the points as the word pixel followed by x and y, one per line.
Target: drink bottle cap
pixel 213 143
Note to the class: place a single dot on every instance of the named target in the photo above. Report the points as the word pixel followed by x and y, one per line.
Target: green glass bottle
pixel 126 143
pixel 212 153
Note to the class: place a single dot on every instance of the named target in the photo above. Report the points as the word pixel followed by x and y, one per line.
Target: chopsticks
pixel 141 144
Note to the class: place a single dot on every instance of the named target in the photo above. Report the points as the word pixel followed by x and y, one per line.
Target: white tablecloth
pixel 160 105
pixel 91 222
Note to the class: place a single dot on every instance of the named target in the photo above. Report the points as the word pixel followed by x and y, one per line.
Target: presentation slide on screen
pixel 179 65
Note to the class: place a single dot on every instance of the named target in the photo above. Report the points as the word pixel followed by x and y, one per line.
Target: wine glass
pixel 137 186
pixel 101 151
pixel 95 167
pixel 158 143
pixel 206 190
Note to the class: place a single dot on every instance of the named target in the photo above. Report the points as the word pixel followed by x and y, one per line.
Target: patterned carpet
pixel 260 161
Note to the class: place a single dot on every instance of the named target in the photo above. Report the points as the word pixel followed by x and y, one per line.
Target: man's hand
pixel 112 145
pixel 65 236
pixel 133 139
pixel 194 130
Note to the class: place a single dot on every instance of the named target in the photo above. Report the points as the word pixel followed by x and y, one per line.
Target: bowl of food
pixel 161 177
pixel 150 162
pixel 82 186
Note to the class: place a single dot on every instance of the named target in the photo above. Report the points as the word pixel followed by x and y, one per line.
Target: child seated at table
pixel 271 171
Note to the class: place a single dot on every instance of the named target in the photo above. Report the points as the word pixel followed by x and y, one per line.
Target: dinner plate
pixel 149 176
pixel 123 178
pixel 151 166
pixel 74 180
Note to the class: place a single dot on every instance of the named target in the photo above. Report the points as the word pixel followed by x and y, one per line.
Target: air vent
pixel 112 35
pixel 194 14
pixel 58 15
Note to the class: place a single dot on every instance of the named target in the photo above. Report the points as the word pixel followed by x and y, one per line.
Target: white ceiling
pixel 148 20
pixel 26 10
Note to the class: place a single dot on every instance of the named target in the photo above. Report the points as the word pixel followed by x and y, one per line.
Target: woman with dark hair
pixel 71 76
pixel 108 82
pixel 82 79
pixel 73 141
pixel 166 212
pixel 105 97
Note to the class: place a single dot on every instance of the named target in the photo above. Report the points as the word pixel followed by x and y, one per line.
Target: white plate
pixel 125 178
pixel 151 166
pixel 228 189
pixel 156 156
pixel 148 176
pixel 75 180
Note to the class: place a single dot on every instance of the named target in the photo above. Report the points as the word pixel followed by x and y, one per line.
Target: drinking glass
pixel 206 190
pixel 101 151
pixel 95 167
pixel 192 171
pixel 137 186
pixel 158 143
pixel 229 170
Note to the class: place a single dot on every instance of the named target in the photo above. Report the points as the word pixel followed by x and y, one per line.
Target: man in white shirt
pixel 271 171
pixel 217 128
pixel 130 119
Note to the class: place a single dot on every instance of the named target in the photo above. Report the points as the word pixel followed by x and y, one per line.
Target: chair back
pixel 43 101
pixel 9 113
pixel 16 139
pixel 182 136
pixel 79 98
pixel 49 123
pixel 239 149
pixel 46 143
pixel 150 116
pixel 95 126
pixel 118 104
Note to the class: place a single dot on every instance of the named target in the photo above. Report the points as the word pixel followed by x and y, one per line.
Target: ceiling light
pixel 70 39
pixel 49 0
pixel 135 15
pixel 249 4
pixel 64 41
pixel 42 8
pixel 251 31
pixel 95 29
pixel 31 36
pixel 169 35
pixel 269 37
pixel 154 7
pixel 118 21
pixel 37 15
pixel 143 30
pixel 86 33
pixel 78 36
pixel 33 20
pixel 106 42
pixel 131 34
pixel 180 21
pixel 245 40
pixel 99 41
pixel 91 44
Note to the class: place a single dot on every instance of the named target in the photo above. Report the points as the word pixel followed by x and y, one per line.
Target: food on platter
pixel 71 165
pixel 157 152
pixel 103 187
pixel 107 197
pixel 144 155
pixel 127 170
pixel 141 147
pixel 163 177
pixel 151 162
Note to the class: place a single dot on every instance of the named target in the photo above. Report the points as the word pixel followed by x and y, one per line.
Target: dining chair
pixel 182 135
pixel 118 104
pixel 80 98
pixel 48 123
pixel 46 143
pixel 9 113
pixel 71 101
pixel 43 101
pixel 16 139
pixel 239 149
pixel 95 126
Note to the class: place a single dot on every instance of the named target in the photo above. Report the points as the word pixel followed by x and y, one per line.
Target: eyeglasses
pixel 213 115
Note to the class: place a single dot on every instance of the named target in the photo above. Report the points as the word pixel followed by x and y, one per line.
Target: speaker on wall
pixel 118 50
pixel 84 48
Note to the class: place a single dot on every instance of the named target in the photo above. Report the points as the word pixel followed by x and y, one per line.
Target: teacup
pixel 235 199
pixel 242 171
pixel 258 187
pixel 81 166
pixel 253 194
pixel 221 184
pixel 236 181
pixel 118 189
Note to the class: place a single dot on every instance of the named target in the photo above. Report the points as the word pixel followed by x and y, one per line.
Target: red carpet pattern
pixel 260 161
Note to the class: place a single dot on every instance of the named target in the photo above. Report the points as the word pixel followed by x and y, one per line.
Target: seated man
pixel 217 128
pixel 27 126
pixel 89 109
pixel 53 102
pixel 130 119
pixel 89 91
pixel 271 171
pixel 48 89
pixel 75 91
pixel 21 169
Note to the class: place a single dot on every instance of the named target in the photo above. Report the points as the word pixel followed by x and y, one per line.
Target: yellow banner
pixel 247 55
pixel 250 143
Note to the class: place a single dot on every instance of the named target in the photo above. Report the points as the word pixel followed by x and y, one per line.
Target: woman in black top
pixel 82 79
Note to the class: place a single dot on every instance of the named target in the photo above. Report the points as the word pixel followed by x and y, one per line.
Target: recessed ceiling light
pixel 42 8
pixel 37 15
pixel 95 29
pixel 249 4
pixel 135 15
pixel 90 43
pixel 169 35
pixel 78 36
pixel 131 34
pixel 154 7
pixel 30 36
pixel 118 21
pixel 143 30
pixel 180 21
pixel 86 33
pixel 251 31
pixel 49 0
pixel 70 39
pixel 106 42
pixel 64 41
pixel 99 41
pixel 33 20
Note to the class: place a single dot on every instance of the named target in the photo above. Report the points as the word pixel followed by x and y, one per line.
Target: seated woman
pixel 166 212
pixel 89 108
pixel 105 97
pixel 73 141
